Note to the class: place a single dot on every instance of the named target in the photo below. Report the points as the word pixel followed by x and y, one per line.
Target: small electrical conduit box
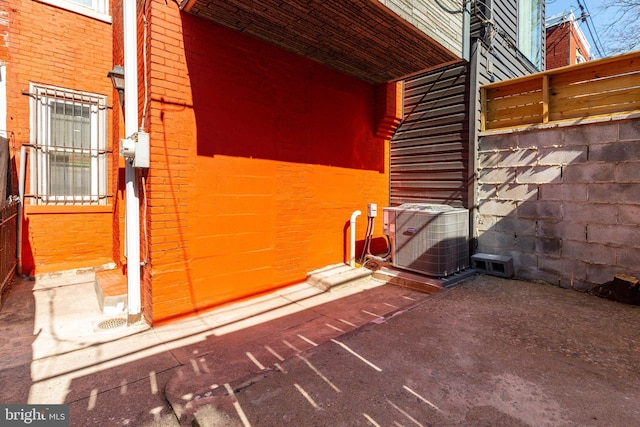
pixel 136 149
pixel 372 210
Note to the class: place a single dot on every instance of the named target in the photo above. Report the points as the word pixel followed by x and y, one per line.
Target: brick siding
pixel 258 159
pixel 53 46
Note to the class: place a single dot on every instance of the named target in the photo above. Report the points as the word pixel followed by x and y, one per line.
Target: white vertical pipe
pixel 352 225
pixel 132 203
pixel 21 181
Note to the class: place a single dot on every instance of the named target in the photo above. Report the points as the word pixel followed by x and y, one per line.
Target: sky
pixel 600 20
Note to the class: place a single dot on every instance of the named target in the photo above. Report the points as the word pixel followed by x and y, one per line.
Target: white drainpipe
pixel 132 203
pixel 352 224
pixel 21 181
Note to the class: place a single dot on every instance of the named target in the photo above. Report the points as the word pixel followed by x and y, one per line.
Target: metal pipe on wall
pixel 132 202
pixel 352 225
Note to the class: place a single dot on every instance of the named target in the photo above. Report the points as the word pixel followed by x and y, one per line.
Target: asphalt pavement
pixel 486 352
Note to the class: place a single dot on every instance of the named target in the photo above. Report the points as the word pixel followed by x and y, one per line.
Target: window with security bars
pixel 68 149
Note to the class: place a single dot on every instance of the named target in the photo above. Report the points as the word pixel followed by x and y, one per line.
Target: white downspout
pixel 21 181
pixel 132 203
pixel 352 225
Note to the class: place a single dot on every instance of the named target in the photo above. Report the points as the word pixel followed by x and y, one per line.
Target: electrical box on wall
pixel 141 160
pixel 136 149
pixel 372 210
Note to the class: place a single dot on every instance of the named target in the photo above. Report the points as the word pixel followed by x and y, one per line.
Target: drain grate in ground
pixel 112 323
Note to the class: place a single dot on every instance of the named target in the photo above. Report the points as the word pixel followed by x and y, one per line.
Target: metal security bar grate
pixel 68 148
pixel 8 242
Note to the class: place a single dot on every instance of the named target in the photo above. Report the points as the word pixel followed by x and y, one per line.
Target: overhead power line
pixel 585 16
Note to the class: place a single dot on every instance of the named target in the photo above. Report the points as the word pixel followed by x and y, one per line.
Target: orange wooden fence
pixel 600 88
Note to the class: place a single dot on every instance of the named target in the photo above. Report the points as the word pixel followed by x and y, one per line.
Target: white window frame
pixel 99 9
pixel 42 100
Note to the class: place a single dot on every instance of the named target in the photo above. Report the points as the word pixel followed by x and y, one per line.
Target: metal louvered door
pixel 429 152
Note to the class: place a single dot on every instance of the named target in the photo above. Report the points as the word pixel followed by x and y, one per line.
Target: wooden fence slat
pixel 598 71
pixel 624 83
pixel 523 111
pixel 514 122
pixel 604 110
pixel 515 89
pixel 612 101
pixel 605 87
pixel 531 98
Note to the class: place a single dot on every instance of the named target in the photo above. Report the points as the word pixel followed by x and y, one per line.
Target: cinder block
pixel 498 142
pixel 540 209
pixel 525 243
pixel 542 138
pixel 491 238
pixel 629 129
pixel 628 172
pixel 548 245
pixel 519 226
pixel 614 152
pixel 591 213
pixel 563 156
pixel 539 175
pixel 589 252
pixel 487 191
pixel 497 207
pixel 614 193
pixel 588 172
pixel 518 192
pixel 629 214
pixel 574 192
pixel 496 175
pixel 590 134
pixel 508 158
pixel 495 265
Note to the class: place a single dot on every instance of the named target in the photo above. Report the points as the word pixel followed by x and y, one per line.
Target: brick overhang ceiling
pixel 359 37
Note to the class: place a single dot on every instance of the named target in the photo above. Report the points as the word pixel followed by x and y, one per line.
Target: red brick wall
pixel 52 46
pixel 562 42
pixel 558 46
pixel 576 43
pixel 258 159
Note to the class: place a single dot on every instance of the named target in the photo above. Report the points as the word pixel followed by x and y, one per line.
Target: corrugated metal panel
pixel 429 152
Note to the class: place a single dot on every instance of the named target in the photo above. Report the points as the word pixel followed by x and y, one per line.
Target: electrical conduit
pixel 132 203
pixel 352 224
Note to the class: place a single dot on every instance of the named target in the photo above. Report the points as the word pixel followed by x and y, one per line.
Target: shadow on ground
pixel 17 321
pixel 487 352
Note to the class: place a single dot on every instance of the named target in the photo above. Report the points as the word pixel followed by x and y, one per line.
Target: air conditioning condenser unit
pixel 428 238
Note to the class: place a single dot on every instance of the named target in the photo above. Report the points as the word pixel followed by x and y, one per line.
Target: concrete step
pixel 336 275
pixel 419 282
pixel 111 290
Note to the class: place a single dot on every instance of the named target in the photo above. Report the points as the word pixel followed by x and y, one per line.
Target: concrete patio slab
pixel 489 351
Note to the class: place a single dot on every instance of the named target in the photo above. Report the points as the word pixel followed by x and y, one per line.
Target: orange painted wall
pixel 53 46
pixel 258 159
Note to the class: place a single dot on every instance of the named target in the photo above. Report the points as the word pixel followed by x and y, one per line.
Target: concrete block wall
pixel 564 202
